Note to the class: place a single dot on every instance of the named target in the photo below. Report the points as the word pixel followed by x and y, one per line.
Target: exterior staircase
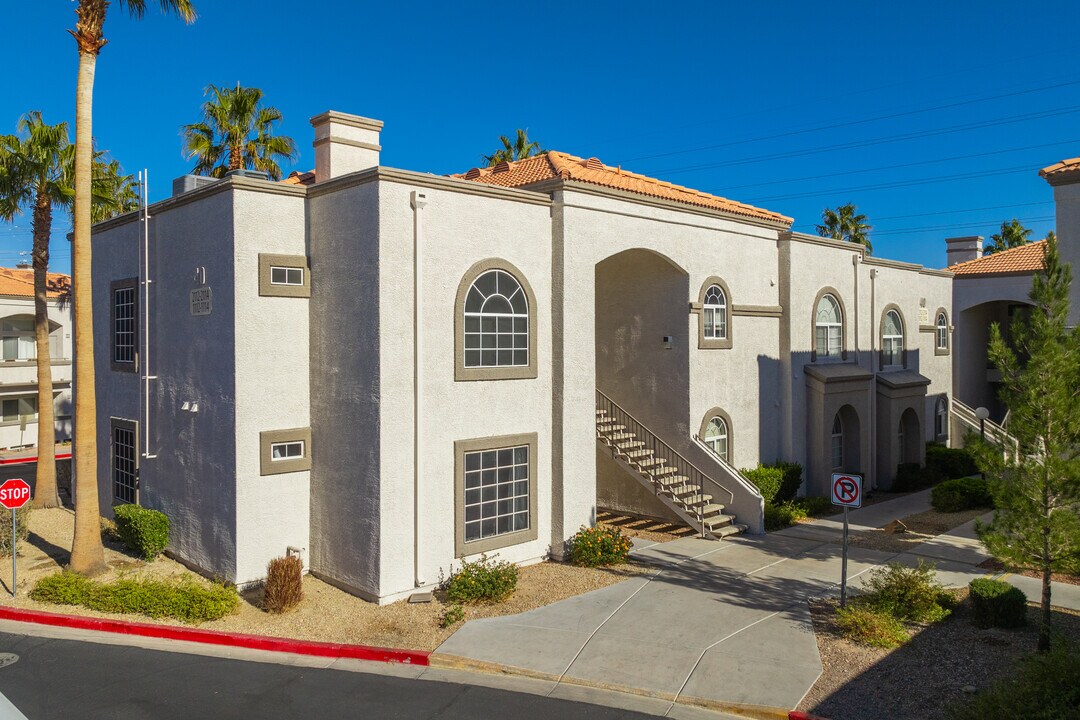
pixel 997 434
pixel 687 491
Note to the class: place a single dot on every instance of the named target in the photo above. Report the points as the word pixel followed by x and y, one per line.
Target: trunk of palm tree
pixel 236 158
pixel 87 552
pixel 45 484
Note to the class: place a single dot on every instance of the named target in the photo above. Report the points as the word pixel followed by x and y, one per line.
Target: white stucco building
pixel 18 371
pixel 389 370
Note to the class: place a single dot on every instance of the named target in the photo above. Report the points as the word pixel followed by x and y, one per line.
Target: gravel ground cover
pixel 920 528
pixel 326 614
pixel 918 680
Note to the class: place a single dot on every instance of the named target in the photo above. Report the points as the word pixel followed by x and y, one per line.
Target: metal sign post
pixel 14 564
pixel 846 492
pixel 13 495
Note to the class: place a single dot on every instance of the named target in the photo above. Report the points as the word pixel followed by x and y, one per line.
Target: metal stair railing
pixel 994 433
pixel 616 414
pixel 730 469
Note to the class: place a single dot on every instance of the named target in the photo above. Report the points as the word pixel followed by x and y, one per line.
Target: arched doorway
pixel 909 438
pixel 844 442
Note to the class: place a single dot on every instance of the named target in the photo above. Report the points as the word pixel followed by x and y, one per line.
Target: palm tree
pixel 87 552
pixel 518 149
pixel 237 132
pixel 34 174
pixel 1013 234
pixel 844 224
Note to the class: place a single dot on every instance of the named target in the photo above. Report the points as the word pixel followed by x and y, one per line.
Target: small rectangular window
pixel 287 450
pixel 124 323
pixel 125 461
pixel 286 275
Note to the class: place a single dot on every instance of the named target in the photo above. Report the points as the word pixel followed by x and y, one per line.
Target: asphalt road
pixel 70 679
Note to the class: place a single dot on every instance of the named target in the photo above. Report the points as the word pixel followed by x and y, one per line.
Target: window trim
pixel 517 537
pixel 892 307
pixel 938 350
pixel 287 269
pixel 698 308
pixel 267 288
pixel 268 438
pixel 518 372
pixel 942 404
pixel 843 356
pixel 833 435
pixel 133 427
pixel 718 412
pixel 125 284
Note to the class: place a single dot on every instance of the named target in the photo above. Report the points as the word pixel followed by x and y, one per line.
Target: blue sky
pixel 933 118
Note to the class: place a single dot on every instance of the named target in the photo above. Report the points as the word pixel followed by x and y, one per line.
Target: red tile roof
pixel 551 165
pixel 1061 169
pixel 298 178
pixel 1026 258
pixel 17 282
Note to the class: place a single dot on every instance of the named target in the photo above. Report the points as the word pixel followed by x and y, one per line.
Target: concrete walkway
pixel 722 622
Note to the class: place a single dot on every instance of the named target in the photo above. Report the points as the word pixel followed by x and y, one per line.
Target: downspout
pixel 144 184
pixel 874 368
pixel 417 200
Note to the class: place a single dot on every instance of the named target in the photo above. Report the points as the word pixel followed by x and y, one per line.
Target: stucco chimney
pixel 344 144
pixel 1064 177
pixel 962 249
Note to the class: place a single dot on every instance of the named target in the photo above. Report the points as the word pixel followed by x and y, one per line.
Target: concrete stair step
pixel 728 530
pixel 635 454
pixel 609 427
pixel 712 509
pixel 650 462
pixel 665 470
pixel 672 481
pixel 718 521
pixel 690 502
pixel 629 445
pixel 618 437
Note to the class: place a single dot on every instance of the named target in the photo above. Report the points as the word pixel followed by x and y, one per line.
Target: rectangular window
pixel 286 450
pixel 496 492
pixel 837 452
pixel 286 275
pixel 124 463
pixel 893 351
pixel 16 408
pixel 124 321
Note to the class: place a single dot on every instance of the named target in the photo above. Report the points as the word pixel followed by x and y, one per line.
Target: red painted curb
pixel 215 637
pixel 28 460
pixel 800 715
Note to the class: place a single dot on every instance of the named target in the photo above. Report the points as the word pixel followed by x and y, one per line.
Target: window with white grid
pixel 892 340
pixel 715 310
pixel 828 328
pixel 496 492
pixel 124 464
pixel 124 319
pixel 942 332
pixel 496 322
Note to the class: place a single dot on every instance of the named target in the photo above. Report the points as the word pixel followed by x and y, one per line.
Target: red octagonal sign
pixel 14 494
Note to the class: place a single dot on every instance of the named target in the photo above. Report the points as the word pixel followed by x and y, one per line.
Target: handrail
pixel 994 432
pixel 731 470
pixel 660 449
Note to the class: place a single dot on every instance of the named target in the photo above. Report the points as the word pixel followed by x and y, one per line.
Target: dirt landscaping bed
pixel 920 528
pixel 644 528
pixel 326 614
pixel 920 679
pixel 998 566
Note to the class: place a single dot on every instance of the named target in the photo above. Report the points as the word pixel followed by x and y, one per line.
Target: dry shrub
pixel 284 587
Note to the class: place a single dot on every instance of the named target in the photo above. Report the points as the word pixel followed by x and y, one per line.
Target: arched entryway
pixel 909 440
pixel 844 441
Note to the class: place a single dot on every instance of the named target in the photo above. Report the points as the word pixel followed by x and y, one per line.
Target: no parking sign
pixel 847 490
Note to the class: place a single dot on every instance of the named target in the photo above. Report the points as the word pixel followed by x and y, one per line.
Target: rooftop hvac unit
pixel 187 183
pixel 253 174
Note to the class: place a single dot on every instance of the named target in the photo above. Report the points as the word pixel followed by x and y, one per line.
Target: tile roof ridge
pixel 1067 164
pixel 999 254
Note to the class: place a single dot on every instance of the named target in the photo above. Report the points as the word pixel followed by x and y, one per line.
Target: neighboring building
pixel 18 371
pixel 387 370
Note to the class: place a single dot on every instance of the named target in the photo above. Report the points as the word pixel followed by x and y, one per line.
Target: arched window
pixel 828 328
pixel 941 417
pixel 892 340
pixel 837 444
pixel 942 332
pixel 496 327
pixel 716 437
pixel 715 310
pixel 900 446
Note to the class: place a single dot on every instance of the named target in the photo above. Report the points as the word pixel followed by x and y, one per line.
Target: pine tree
pixel 1036 491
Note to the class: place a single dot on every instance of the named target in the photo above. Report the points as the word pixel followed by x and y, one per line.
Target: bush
pixel 906 593
pixel 452 616
pixel 997 604
pixel 482 581
pixel 1047 687
pixel 185 599
pixel 791 482
pixel 767 480
pixel 284 586
pixel 22 527
pixel 143 531
pixel 593 547
pixel 961 494
pixel 913 476
pixel 871 626
pixel 815 506
pixel 950 463
pixel 778 517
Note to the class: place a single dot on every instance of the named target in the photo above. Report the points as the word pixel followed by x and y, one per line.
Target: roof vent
pixel 502 167
pixel 472 174
pixel 187 183
pixel 594 164
pixel 23 265
pixel 253 174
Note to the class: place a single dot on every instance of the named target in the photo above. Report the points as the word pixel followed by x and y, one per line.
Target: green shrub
pixel 767 480
pixel 22 527
pixel 143 531
pixel 452 616
pixel 997 604
pixel 284 586
pixel 778 517
pixel 482 581
pixel 816 506
pixel 961 494
pixel 593 547
pixel 871 626
pixel 906 593
pixel 912 476
pixel 1047 687
pixel 950 463
pixel 791 481
pixel 185 599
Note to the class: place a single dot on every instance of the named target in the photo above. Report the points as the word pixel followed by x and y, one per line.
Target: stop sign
pixel 14 494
